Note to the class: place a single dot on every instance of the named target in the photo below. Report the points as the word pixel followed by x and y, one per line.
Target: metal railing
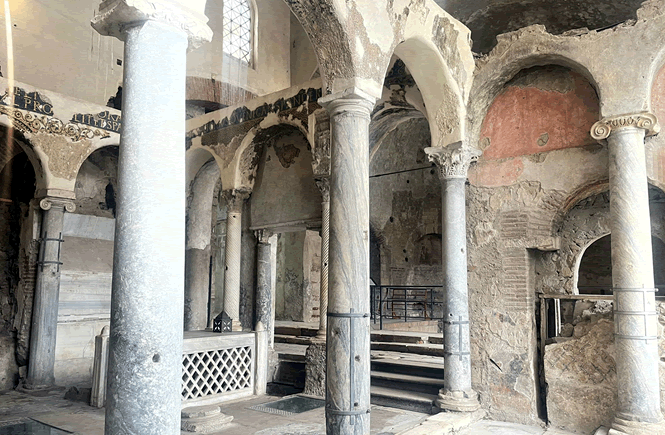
pixel 407 303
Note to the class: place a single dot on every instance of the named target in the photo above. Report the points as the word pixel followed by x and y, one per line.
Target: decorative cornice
pixel 263 235
pixel 117 15
pixel 50 201
pixel 235 199
pixel 453 160
pixel 323 184
pixel 647 121
pixel 27 122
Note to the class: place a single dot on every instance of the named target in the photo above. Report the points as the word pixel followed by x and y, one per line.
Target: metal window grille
pixel 237 35
pixel 215 372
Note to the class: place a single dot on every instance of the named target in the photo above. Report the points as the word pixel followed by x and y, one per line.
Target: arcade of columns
pixel 147 288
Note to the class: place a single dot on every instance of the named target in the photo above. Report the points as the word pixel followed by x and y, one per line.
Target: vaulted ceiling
pixel 488 18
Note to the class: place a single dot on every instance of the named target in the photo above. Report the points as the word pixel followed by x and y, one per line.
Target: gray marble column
pixel 348 336
pixel 145 344
pixel 324 186
pixel 453 163
pixel 234 201
pixel 47 290
pixel 635 317
pixel 264 316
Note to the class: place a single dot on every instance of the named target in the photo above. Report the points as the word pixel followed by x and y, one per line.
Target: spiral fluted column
pixel 43 332
pixel 635 317
pixel 324 186
pixel 234 200
pixel 453 163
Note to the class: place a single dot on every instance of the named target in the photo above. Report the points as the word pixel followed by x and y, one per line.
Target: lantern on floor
pixel 222 323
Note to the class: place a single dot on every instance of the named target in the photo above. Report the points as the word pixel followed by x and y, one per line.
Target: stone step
pixel 408 367
pixel 407 400
pixel 414 348
pixel 400 337
pixel 403 382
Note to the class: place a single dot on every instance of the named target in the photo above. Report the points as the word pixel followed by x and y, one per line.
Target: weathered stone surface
pixel 315 367
pixel 581 379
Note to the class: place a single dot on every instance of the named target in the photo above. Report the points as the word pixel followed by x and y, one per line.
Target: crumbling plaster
pixel 355 53
pixel 594 54
pixel 58 133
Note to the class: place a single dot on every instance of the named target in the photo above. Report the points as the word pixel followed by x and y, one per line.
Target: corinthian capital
pixel 323 184
pixel 453 160
pixel 116 15
pixel 235 199
pixel 647 121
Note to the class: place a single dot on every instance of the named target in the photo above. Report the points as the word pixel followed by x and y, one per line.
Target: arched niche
pixel 284 190
pixel 97 183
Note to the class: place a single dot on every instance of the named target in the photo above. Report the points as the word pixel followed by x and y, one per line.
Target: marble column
pixel 635 317
pixel 47 290
pixel 324 187
pixel 453 163
pixel 348 335
pixel 234 201
pixel 264 316
pixel 145 344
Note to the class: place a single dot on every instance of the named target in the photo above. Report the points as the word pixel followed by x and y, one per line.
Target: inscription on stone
pixel 30 101
pixel 104 120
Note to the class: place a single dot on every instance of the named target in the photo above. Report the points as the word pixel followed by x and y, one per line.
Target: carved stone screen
pixel 216 372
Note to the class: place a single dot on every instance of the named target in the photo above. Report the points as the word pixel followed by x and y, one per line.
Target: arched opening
pixel 18 255
pixel 286 201
pixel 595 270
pixel 405 208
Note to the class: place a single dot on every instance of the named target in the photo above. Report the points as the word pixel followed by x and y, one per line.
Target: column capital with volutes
pixel 235 199
pixel 115 16
pixel 48 202
pixel 350 102
pixel 453 161
pixel 606 126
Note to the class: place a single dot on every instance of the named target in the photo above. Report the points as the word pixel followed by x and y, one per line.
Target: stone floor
pixel 79 418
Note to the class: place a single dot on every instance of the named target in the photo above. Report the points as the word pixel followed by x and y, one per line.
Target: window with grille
pixel 238 30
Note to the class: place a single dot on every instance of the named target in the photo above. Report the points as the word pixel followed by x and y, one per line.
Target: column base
pixel 459 401
pixel 204 419
pixel 236 326
pixel 628 427
pixel 320 335
pixel 34 388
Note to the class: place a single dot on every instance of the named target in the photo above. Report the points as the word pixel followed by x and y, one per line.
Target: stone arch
pixel 381 126
pixel 198 244
pixel 14 140
pixel 498 69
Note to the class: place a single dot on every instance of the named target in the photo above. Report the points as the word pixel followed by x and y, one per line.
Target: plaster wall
pixel 405 207
pixel 269 71
pixel 289 283
pixel 55 48
pixel 285 191
pixel 303 57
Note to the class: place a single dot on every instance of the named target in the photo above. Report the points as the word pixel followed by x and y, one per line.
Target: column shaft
pixel 456 296
pixel 635 317
pixel 325 244
pixel 47 290
pixel 453 162
pixel 348 336
pixel 233 259
pixel 197 280
pixel 264 321
pixel 145 356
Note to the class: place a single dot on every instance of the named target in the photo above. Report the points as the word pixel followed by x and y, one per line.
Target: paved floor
pixel 79 418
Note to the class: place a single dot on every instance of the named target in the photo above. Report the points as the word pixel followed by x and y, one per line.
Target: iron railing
pixel 407 303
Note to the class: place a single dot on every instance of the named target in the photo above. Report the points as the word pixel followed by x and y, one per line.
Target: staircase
pixel 406 367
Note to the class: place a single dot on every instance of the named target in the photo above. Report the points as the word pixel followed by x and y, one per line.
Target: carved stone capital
pixel 117 15
pixel 49 202
pixel 263 235
pixel 453 160
pixel 604 128
pixel 235 199
pixel 324 186
pixel 351 102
